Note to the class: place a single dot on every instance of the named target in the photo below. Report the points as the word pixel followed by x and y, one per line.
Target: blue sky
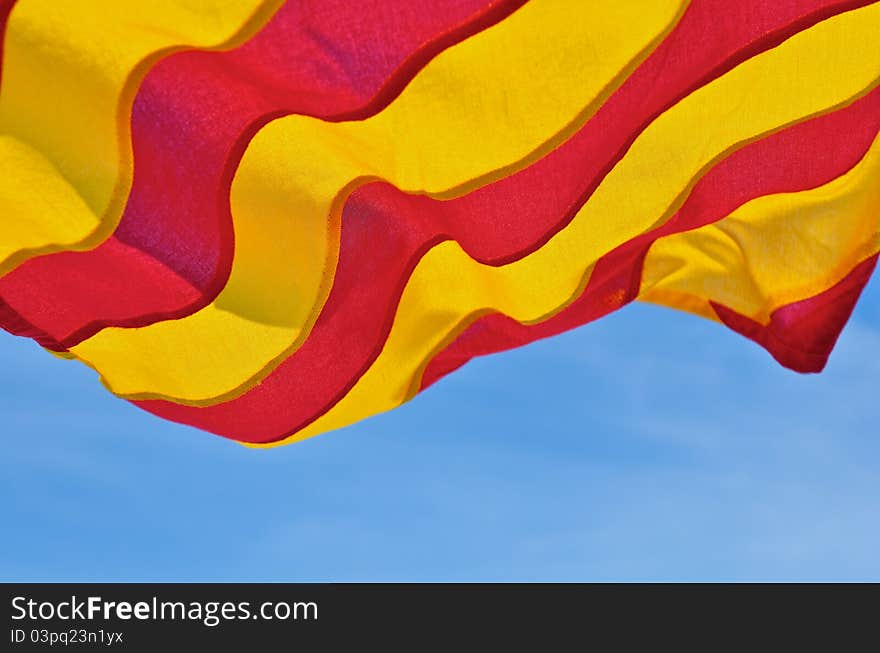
pixel 650 445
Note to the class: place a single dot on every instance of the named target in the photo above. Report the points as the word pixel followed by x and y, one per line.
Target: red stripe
pixel 191 122
pixel 801 335
pixel 385 232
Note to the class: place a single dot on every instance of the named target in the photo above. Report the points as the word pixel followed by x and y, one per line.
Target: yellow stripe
pixel 479 109
pixel 814 71
pixel 772 251
pixel 70 73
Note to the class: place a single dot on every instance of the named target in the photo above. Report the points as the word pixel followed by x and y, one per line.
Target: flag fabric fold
pixel 269 220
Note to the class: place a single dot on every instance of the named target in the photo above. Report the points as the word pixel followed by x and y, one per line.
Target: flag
pixel 270 219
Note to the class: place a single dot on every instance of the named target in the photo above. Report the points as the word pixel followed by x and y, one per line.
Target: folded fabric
pixel 318 209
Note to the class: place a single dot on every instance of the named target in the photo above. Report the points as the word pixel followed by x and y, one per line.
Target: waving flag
pixel 272 219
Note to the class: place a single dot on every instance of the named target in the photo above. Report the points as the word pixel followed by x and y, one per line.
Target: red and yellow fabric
pixel 157 265
pixel 70 72
pixel 340 204
pixel 297 171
